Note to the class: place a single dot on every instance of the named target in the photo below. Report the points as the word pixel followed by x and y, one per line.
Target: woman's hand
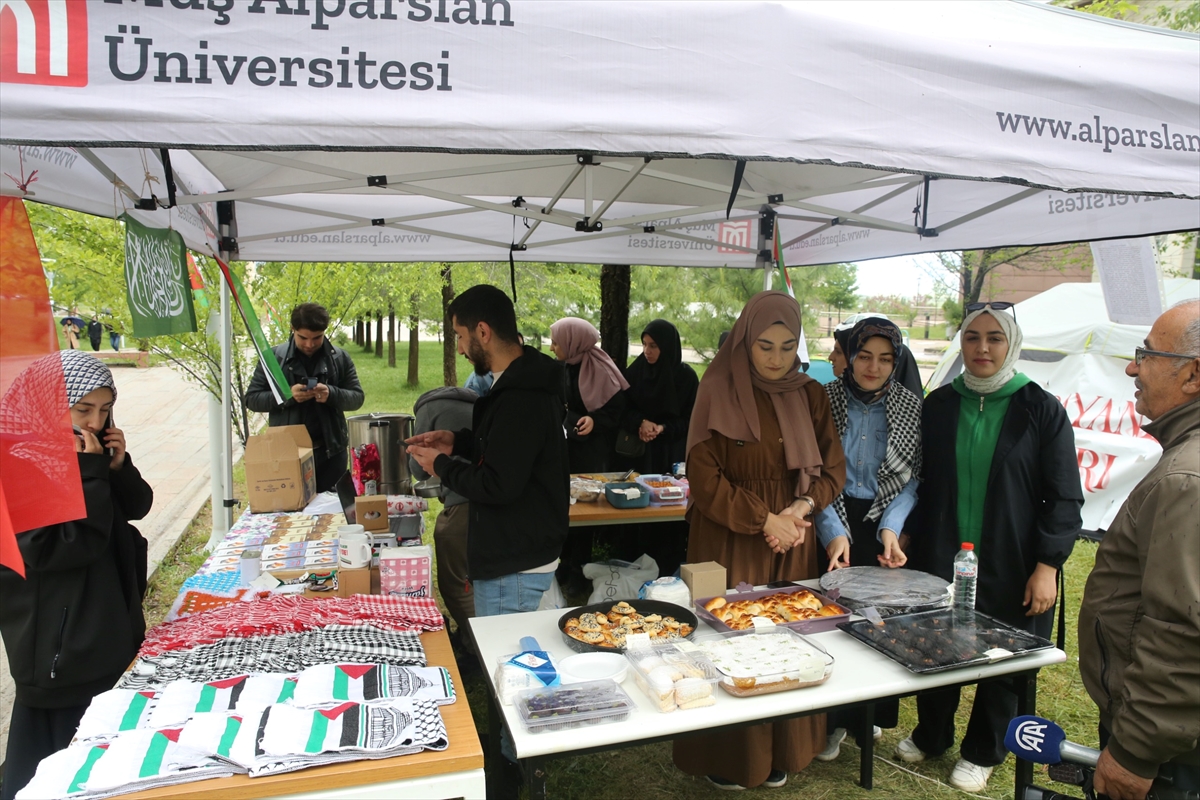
pixel 1040 590
pixel 839 553
pixel 784 531
pixel 584 426
pixel 800 508
pixel 86 442
pixel 649 431
pixel 893 555
pixel 114 439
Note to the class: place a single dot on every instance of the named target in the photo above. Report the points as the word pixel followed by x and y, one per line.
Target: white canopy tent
pixel 671 133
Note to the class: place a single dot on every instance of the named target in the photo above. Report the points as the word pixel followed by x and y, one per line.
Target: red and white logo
pixel 735 233
pixel 44 42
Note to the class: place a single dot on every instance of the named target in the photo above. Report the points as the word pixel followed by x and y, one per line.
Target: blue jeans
pixel 510 594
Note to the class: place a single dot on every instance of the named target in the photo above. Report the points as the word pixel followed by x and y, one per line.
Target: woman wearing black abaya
pixel 662 391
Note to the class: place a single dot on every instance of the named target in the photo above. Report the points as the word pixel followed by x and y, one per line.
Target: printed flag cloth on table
pixel 131 761
pixel 367 683
pixel 37 449
pixel 179 701
pixel 156 281
pixel 115 711
pixel 280 388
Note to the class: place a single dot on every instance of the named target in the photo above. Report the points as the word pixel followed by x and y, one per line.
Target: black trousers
pixel 33 734
pixel 330 470
pixel 863 552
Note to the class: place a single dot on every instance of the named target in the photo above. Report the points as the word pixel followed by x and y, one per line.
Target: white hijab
pixel 1008 323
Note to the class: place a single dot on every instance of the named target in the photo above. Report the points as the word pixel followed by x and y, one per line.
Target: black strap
pixel 738 171
pixel 512 274
pixel 1061 641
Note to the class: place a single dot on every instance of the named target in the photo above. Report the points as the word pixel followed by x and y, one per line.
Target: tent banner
pixel 981 90
pixel 157 284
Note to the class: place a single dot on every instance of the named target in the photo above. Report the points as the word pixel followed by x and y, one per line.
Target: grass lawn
pixel 648 771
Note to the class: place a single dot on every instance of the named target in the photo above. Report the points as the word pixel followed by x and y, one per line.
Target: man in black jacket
pixel 516 475
pixel 324 386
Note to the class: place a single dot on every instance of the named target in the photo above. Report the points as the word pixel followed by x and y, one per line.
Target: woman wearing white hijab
pixel 999 471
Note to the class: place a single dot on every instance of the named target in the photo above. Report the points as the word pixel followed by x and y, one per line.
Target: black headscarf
pixel 906 372
pixel 856 337
pixel 652 386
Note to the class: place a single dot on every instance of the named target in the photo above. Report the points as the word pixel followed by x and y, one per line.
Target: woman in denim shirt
pixel 879 421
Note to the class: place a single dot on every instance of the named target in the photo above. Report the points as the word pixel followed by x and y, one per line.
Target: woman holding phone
pixel 74 622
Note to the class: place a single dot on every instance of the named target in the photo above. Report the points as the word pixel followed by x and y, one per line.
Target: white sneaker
pixel 876 732
pixel 970 777
pixel 833 745
pixel 907 751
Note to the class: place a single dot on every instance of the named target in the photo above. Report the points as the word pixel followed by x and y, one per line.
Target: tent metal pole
pixel 216 452
pixel 766 236
pixel 228 231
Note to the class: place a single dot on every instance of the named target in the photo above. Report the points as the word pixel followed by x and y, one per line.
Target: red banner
pixel 38 467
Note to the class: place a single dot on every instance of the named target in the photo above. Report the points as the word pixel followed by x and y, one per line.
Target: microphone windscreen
pixel 1035 739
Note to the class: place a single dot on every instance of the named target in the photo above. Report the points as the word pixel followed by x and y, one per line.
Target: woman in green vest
pixel 999 471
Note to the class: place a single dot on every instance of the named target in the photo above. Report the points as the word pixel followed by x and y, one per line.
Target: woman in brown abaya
pixel 763 455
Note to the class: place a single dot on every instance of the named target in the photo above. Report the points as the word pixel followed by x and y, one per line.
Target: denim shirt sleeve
pixel 897 512
pixel 829 526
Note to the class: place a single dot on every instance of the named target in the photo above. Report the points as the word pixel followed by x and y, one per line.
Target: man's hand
pixel 114 438
pixel 893 555
pixel 425 456
pixel 1040 590
pixel 441 441
pixel 1117 782
pixel 839 553
pixel 301 394
pixel 320 393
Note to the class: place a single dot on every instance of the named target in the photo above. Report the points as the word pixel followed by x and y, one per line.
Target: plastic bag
pixel 619 580
pixel 552 597
pixel 667 590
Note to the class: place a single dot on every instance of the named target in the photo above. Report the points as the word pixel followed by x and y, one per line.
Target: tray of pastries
pixel 929 641
pixel 602 627
pixel 798 608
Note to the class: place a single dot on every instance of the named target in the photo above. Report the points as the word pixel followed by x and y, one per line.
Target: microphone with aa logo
pixel 1042 742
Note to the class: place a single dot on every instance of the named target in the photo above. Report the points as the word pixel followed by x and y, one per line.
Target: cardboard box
pixel 354 581
pixel 371 512
pixel 280 475
pixel 406 571
pixel 706 579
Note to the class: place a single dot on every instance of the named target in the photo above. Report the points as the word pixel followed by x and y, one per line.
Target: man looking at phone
pixel 324 386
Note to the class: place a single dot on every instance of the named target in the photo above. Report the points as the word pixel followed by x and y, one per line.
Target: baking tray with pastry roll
pixel 888 591
pixel 795 607
pixel 929 641
pixel 765 660
pixel 602 627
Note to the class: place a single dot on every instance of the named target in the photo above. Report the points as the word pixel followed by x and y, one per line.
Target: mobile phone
pixel 781 585
pixel 310 384
pixel 111 451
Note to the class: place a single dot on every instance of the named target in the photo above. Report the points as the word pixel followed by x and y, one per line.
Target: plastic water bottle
pixel 966 573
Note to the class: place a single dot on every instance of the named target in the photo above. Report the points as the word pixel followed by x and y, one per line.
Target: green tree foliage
pixel 837 285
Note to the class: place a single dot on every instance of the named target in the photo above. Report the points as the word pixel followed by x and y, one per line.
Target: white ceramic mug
pixel 352 528
pixel 354 549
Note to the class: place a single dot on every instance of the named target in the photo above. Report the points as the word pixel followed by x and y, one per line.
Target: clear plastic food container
pixel 664 490
pixel 672 675
pixel 765 660
pixel 559 708
pixel 585 490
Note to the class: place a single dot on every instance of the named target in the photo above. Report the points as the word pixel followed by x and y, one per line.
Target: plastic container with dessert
pixel 585 490
pixel 673 675
pixel 558 708
pixel 766 660
pixel 664 490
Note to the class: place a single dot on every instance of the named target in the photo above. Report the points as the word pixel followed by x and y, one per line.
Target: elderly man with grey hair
pixel 1139 626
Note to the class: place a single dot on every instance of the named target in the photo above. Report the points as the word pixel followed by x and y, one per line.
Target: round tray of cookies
pixel 603 627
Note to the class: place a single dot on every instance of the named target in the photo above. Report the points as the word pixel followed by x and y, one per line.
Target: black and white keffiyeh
pixel 902 461
pixel 83 374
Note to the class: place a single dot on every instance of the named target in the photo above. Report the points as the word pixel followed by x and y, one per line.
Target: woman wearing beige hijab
pixel 763 455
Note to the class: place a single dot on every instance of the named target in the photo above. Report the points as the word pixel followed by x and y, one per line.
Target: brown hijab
pixel 725 400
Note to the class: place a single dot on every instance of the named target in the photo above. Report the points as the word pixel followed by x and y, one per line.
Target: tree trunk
pixel 449 343
pixel 367 335
pixel 358 331
pixel 379 334
pixel 614 312
pixel 414 344
pixel 391 336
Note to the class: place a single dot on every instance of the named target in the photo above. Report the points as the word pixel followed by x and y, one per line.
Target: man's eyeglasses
pixel 1140 353
pixel 997 305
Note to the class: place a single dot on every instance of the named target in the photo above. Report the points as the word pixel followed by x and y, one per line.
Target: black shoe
pixel 776 779
pixel 730 786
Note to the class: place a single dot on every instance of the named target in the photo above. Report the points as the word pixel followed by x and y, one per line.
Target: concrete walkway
pixel 165 419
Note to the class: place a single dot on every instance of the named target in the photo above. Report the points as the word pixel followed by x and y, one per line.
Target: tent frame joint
pixel 378 222
pixel 377 180
pixel 585 225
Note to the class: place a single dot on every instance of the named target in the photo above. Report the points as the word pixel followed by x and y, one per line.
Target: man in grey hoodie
pixel 449 408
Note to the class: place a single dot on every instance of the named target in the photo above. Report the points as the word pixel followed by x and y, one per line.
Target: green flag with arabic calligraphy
pixel 156 281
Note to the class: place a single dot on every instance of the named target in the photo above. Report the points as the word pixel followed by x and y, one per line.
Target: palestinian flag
pixel 197 281
pixel 80 778
pixel 348 726
pixel 279 385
